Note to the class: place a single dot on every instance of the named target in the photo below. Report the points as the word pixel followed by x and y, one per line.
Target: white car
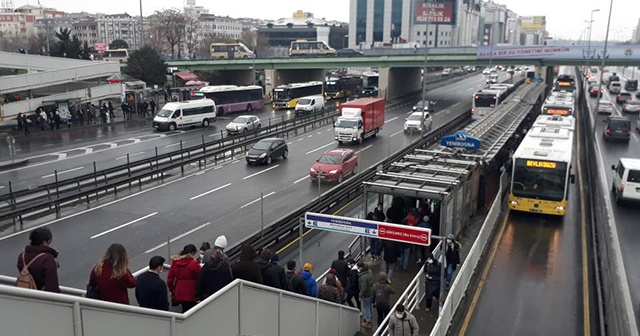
pixel 626 180
pixel 243 124
pixel 413 123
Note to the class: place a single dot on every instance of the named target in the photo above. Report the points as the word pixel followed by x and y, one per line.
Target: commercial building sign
pixel 531 24
pixel 100 47
pixel 435 12
pixel 618 52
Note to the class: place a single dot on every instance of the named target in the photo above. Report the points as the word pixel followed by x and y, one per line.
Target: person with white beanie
pixel 220 244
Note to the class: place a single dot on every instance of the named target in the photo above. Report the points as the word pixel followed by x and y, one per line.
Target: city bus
pixel 370 79
pixel 342 87
pixel 304 48
pixel 232 98
pixel 286 96
pixel 230 51
pixel 563 105
pixel 541 171
pixel 116 55
pixel 487 100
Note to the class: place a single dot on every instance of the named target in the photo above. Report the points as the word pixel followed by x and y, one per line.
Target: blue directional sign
pixel 460 140
pixel 341 224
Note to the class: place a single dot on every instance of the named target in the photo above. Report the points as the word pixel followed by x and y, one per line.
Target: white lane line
pixel 1 187
pixel 329 130
pixel 310 136
pixel 319 148
pixel 260 172
pixel 210 191
pixel 364 149
pixel 172 145
pixel 130 155
pixel 396 133
pixel 47 145
pixel 471 88
pixel 319 133
pixel 301 179
pixel 632 134
pixel 178 237
pixel 390 120
pixel 214 134
pixel 76 140
pixel 232 162
pixel 63 172
pixel 289 143
pixel 257 200
pixel 300 139
pixel 123 225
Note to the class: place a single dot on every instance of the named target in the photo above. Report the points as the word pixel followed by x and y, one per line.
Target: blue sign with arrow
pixel 340 224
pixel 460 140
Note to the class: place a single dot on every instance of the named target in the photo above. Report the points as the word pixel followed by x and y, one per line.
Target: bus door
pixel 231 52
pixel 177 116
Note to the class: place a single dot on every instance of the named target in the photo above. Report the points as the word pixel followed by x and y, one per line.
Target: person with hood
pixel 432 280
pixel 182 278
pixel 402 323
pixel 295 283
pixel 421 250
pixel 111 275
pixel 270 276
pixel 214 275
pixel 341 268
pixel 309 280
pixel 220 244
pixel 365 281
pixel 329 290
pixel 41 259
pixel 452 258
pixel 382 296
pixel 353 288
pixel 280 270
pixel 338 282
pixel 246 268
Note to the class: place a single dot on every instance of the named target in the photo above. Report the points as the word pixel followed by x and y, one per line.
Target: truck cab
pixel 359 119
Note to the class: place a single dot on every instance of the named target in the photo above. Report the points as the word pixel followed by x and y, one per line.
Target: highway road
pixel 219 200
pixel 626 215
pixel 532 281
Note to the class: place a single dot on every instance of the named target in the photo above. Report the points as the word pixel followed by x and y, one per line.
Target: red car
pixel 333 165
pixel 593 91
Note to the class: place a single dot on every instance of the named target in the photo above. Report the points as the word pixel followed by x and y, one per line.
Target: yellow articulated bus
pixel 542 167
pixel 286 96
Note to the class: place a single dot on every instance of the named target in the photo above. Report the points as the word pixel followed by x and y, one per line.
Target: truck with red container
pixel 359 119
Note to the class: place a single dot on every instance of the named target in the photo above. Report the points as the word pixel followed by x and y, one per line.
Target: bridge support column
pixel 547 74
pixel 398 82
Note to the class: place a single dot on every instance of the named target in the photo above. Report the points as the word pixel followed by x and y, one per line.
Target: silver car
pixel 605 106
pixel 631 106
pixel 413 124
pixel 244 124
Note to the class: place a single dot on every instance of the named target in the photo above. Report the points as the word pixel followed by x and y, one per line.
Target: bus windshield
pixel 485 100
pixel 117 53
pixel 546 181
pixel 281 94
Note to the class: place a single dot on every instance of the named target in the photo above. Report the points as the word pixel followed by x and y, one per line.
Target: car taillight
pixel 608 131
pixel 629 132
pixel 473 111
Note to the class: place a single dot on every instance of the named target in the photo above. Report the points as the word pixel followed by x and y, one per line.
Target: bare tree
pixel 193 29
pixel 9 42
pixel 255 40
pixel 205 45
pixel 169 24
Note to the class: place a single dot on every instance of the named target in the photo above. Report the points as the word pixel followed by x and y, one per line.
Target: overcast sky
pixel 565 18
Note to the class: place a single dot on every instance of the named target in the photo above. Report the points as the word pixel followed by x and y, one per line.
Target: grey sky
pixel 565 18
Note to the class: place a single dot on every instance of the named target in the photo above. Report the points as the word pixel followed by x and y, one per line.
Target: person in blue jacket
pixel 309 280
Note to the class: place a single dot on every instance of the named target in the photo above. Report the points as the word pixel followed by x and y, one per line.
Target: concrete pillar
pixel 369 31
pixel 398 82
pixel 388 8
pixel 547 74
pixel 383 82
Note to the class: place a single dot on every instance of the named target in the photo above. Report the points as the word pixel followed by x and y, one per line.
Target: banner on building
pixel 435 12
pixel 100 47
pixel 530 24
pixel 619 52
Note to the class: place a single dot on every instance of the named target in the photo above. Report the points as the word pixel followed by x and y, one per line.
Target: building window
pixel 396 20
pixel 418 33
pixel 361 21
pixel 378 20
pixel 430 33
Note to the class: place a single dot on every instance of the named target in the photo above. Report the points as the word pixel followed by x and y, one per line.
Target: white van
pixel 626 180
pixel 309 105
pixel 615 87
pixel 183 114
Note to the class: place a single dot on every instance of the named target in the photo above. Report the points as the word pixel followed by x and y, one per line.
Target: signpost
pixel 460 140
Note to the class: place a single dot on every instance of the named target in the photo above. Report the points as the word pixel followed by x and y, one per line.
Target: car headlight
pixel 312 170
pixel 263 155
pixel 247 154
pixel 333 171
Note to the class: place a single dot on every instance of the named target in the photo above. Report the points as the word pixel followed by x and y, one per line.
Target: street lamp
pixel 424 104
pixel 604 55
pixel 589 38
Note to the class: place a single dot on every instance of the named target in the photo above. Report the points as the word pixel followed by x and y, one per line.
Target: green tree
pixel 118 44
pixel 146 65
pixel 68 45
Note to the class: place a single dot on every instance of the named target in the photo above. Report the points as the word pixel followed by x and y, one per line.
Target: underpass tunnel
pixel 274 78
pixel 232 77
pixel 397 82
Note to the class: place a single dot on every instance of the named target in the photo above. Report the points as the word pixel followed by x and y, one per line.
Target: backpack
pixel 381 298
pixel 25 279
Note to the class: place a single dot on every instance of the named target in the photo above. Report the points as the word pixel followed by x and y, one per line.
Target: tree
pixel 205 46
pixel 193 28
pixel 254 40
pixel 146 65
pixel 118 44
pixel 169 24
pixel 67 45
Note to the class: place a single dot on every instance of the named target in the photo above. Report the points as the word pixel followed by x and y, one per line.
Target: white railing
pixel 48 78
pixel 35 62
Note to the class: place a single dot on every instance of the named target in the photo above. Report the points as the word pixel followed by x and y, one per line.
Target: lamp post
pixel 589 39
pixel 604 54
pixel 141 27
pixel 424 104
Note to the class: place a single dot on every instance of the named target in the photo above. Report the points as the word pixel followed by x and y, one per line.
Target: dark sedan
pixel 348 53
pixel 266 150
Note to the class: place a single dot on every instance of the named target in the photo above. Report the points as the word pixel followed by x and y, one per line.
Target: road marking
pixel 257 200
pixel 289 143
pixel 319 133
pixel 364 149
pixel 130 155
pixel 210 191
pixel 296 181
pixel 390 120
pixel 634 136
pixel 329 130
pixel 396 133
pixel 319 148
pixel 471 88
pixel 172 145
pixel 124 225
pixel 1 187
pixel 309 136
pixel 232 162
pixel 47 145
pixel 63 172
pixel 214 134
pixel 300 139
pixel 76 140
pixel 178 237
pixel 260 172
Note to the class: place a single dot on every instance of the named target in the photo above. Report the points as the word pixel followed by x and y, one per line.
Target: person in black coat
pixel 269 273
pixel 246 268
pixel 282 276
pixel 432 280
pixel 214 275
pixel 341 267
pixel 295 283
pixel 151 290
pixel 390 250
pixel 352 287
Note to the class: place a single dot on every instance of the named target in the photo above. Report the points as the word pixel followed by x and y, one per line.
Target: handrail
pixel 10 281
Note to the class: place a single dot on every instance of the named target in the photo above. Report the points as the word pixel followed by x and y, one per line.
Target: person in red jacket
pixel 112 276
pixel 44 268
pixel 183 277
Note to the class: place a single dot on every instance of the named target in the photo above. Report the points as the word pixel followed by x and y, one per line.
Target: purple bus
pixel 232 98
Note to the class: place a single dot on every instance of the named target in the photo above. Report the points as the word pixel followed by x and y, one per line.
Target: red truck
pixel 359 119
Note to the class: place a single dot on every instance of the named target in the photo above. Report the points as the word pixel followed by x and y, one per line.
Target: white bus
pixel 116 55
pixel 304 48
pixel 184 114
pixel 230 51
pixel 559 105
pixel 487 100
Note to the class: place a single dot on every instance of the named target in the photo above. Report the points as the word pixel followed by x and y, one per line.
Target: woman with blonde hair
pixel 111 275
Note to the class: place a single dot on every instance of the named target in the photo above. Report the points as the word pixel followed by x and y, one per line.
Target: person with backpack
pixel 214 275
pixel 382 296
pixel 182 278
pixel 352 288
pixel 329 290
pixel 37 263
pixel 452 258
pixel 403 323
pixel 295 283
pixel 112 277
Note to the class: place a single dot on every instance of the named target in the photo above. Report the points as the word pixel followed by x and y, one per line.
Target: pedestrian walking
pixel 269 273
pixel 390 250
pixel 329 290
pixel 422 250
pixel 432 280
pixel 111 275
pixel 309 280
pixel 152 104
pixel 295 283
pixel 374 243
pixel 352 288
pixel 382 291
pixel 341 267
pixel 365 281
pixel 57 119
pixel 246 268
pixel 151 290
pixel 110 108
pixel 20 122
pixel 182 278
pixel 339 283
pixel 25 124
pixel 145 108
pixel 403 323
pixel 40 261
pixel 214 275
pixel 452 258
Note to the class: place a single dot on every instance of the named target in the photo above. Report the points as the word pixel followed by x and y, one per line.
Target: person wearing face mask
pixel 432 280
pixel 402 323
pixel 452 258
pixel 151 290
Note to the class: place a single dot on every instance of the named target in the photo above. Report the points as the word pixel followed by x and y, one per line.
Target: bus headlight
pixel 559 208
pixel 514 203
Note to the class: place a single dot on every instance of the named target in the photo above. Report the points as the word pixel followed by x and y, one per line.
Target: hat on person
pixel 275 257
pixel 308 266
pixel 221 242
pixel 332 271
pixel 451 236
pixel 425 219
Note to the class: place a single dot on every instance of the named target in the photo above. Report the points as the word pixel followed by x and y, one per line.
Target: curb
pixel 6 165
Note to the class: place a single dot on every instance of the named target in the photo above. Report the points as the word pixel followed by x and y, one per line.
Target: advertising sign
pixel 100 47
pixel 530 24
pixel 404 233
pixel 460 140
pixel 435 11
pixel 617 52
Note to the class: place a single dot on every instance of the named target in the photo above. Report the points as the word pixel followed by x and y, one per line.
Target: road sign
pixel 460 140
pixel 340 224
pixel 404 233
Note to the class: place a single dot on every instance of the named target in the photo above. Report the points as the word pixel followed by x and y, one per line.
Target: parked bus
pixel 542 168
pixel 116 55
pixel 232 98
pixel 230 51
pixel 304 48
pixel 342 87
pixel 183 114
pixel 286 96
pixel 370 79
pixel 486 100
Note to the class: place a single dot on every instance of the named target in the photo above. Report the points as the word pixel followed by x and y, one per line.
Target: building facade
pixel 119 27
pixel 636 33
pixel 220 26
pixel 17 26
pixel 303 26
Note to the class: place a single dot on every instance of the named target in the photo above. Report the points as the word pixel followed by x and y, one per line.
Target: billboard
pixel 435 12
pixel 618 52
pixel 100 47
pixel 529 24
